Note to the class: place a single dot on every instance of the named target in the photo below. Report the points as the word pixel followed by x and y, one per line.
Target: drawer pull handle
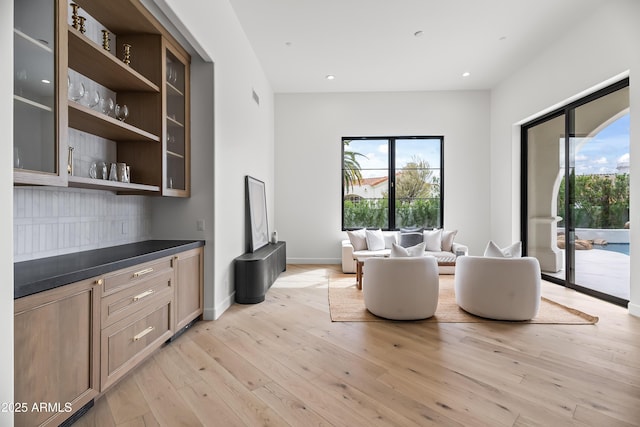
pixel 143 333
pixel 99 282
pixel 143 272
pixel 142 295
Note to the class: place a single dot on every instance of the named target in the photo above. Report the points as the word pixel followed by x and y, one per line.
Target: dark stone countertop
pixel 38 275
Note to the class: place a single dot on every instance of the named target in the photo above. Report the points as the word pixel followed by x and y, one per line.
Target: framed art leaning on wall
pixel 258 227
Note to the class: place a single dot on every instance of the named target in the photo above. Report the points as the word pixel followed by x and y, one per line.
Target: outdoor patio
pixel 602 270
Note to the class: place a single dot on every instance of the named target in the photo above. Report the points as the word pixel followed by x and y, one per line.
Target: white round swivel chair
pixel 498 288
pixel 404 288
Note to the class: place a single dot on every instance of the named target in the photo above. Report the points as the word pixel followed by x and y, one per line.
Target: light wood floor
pixel 284 363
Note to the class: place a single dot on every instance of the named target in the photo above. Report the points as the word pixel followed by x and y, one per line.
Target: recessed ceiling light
pixel 45 81
pixel 330 77
pixel 466 74
pixel 418 33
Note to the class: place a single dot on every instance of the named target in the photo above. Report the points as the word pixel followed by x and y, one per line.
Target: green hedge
pixel 373 213
pixel 601 201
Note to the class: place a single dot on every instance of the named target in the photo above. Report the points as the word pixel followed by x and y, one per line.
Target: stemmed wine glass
pixel 93 99
pixel 76 90
pixel 172 74
pixel 122 112
pixel 107 106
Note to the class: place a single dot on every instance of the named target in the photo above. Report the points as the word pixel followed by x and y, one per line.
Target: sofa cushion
pixel 367 253
pixel 398 251
pixel 447 239
pixel 375 240
pixel 442 256
pixel 433 240
pixel 513 251
pixel 358 239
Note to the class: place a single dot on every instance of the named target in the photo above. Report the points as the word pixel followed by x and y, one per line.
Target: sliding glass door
pixel 575 204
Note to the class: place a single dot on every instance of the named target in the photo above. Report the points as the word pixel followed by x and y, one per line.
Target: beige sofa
pixel 446 260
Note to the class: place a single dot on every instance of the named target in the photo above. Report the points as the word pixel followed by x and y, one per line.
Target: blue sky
pixel 596 155
pixel 601 153
pixel 377 161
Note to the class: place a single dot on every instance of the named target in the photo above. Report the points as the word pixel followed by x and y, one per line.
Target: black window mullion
pixel 392 224
pixel 392 184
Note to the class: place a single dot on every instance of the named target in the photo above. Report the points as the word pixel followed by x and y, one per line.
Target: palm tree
pixel 351 167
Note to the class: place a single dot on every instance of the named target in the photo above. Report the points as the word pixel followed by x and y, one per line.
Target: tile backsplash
pixel 49 221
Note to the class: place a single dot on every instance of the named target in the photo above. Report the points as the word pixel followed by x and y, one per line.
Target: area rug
pixel 346 304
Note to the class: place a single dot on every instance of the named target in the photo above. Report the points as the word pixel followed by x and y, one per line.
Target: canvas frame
pixel 258 225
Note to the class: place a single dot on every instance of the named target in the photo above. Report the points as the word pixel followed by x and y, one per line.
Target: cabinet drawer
pixel 125 343
pixel 129 300
pixel 132 275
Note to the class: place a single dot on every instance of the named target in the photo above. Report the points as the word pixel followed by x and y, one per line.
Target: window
pixel 392 182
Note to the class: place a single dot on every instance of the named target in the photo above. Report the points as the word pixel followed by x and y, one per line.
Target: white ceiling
pixel 369 45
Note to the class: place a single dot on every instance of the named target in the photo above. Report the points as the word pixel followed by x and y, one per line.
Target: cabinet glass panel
pixel 34 89
pixel 175 161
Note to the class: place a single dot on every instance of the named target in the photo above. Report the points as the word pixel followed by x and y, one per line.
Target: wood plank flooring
pixel 284 363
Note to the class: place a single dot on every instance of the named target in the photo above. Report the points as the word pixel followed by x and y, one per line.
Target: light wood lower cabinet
pixel 137 316
pixel 189 296
pixel 127 342
pixel 57 352
pixel 73 342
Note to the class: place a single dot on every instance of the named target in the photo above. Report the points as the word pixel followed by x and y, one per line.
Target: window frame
pixel 391 170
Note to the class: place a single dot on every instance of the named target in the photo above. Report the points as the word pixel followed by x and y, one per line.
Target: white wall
pixel 309 128
pixel 242 143
pixel 6 214
pixel 596 50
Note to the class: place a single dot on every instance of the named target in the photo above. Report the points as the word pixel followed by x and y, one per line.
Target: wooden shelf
pixel 103 184
pixel 122 16
pixel 91 60
pixel 85 119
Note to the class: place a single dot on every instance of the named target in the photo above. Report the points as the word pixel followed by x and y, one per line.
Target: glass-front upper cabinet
pixel 39 111
pixel 176 165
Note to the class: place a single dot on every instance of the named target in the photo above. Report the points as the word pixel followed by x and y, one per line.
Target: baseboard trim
pixel 215 313
pixel 314 261
pixel 634 309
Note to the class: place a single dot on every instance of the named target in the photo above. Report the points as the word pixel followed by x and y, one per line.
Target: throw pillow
pixel 358 239
pixel 398 251
pixel 412 238
pixel 513 251
pixel 447 239
pixel 375 240
pixel 411 229
pixel 390 239
pixel 433 240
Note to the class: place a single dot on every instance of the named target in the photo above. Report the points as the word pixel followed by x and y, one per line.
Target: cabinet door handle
pixel 142 295
pixel 143 272
pixel 143 333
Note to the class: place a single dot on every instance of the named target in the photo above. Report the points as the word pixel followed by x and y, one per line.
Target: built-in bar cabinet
pixel 118 95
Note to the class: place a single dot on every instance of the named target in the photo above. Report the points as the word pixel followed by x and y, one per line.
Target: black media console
pixel 255 272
